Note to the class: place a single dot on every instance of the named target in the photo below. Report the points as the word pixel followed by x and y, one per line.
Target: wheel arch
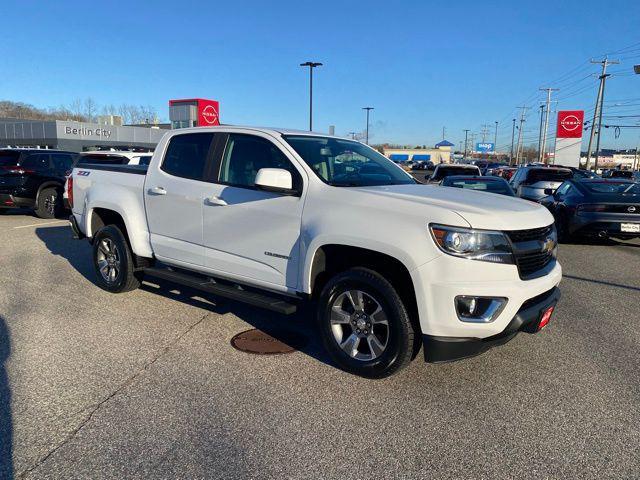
pixel 332 258
pixel 47 184
pixel 99 216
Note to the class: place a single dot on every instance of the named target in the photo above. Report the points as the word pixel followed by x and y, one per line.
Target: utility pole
pixel 466 133
pixel 368 109
pixel 485 132
pixel 546 122
pixel 311 66
pixel 473 139
pixel 495 139
pixel 353 135
pixel 603 80
pixel 522 120
pixel 444 130
pixel 597 113
pixel 540 134
pixel 513 134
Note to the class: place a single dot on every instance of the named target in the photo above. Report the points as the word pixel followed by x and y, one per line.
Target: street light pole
pixel 311 66
pixel 368 109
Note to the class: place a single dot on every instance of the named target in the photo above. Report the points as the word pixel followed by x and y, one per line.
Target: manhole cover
pixel 260 343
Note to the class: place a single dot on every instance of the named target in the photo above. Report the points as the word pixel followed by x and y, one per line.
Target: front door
pixel 250 233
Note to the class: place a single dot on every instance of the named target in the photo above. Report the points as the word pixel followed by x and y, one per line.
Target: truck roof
pixel 269 130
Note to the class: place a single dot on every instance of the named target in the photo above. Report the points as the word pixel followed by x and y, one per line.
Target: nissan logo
pixel 570 123
pixel 209 114
pixel 631 209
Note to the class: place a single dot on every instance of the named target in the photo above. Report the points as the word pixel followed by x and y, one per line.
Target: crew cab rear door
pixel 174 193
pixel 248 232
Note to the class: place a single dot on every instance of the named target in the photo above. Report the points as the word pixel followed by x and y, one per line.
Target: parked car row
pixel 581 202
pixel 34 179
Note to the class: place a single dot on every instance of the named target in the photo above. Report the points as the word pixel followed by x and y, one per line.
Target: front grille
pixel 529 250
pixel 529 264
pixel 528 235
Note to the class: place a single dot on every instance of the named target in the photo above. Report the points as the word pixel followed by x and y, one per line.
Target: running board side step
pixel 209 285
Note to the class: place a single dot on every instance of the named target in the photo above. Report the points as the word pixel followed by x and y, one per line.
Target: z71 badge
pixel 83 173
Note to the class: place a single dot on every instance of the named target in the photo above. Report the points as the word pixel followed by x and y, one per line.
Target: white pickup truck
pixel 275 218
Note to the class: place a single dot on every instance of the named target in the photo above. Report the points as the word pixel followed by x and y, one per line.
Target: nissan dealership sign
pixel 570 124
pixel 569 137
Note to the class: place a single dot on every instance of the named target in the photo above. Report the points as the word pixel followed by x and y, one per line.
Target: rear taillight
pixel 16 170
pixel 591 208
pixel 70 191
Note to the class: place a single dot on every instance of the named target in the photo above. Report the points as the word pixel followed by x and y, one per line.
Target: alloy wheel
pixel 108 260
pixel 359 325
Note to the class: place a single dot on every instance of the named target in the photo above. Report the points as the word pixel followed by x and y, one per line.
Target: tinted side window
pixel 62 161
pixel 244 155
pixel 187 154
pixel 36 161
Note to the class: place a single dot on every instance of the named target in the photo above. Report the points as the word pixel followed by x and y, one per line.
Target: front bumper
pixel 446 349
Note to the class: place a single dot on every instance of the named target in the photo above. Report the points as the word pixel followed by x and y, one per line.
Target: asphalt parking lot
pixel 147 385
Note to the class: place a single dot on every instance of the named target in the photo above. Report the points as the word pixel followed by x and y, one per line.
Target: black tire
pixel 49 203
pixel 113 261
pixel 399 332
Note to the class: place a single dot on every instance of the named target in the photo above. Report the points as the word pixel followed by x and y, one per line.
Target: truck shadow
pixel 6 423
pixel 298 331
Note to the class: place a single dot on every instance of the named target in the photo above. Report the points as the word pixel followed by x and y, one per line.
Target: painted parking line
pixel 40 224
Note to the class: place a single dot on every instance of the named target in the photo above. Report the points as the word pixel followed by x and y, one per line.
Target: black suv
pixel 34 179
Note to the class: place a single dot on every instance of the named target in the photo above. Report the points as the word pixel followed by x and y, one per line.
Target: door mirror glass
pixel 275 180
pixel 549 191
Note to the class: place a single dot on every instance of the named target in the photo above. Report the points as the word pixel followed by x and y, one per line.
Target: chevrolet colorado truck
pixel 279 218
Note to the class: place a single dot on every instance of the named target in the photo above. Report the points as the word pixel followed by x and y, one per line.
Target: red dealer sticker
pixel 570 124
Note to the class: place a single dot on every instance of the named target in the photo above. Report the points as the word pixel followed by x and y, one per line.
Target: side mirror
pixel 549 191
pixel 276 180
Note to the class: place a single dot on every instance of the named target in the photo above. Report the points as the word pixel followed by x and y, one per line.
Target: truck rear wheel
pixel 113 261
pixel 364 325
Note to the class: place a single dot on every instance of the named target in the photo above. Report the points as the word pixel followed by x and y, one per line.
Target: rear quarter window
pixel 9 159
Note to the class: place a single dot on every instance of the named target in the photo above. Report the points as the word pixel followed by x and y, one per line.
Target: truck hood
pixel 480 209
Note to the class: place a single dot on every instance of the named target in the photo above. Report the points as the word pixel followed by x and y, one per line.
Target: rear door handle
pixel 215 201
pixel 157 191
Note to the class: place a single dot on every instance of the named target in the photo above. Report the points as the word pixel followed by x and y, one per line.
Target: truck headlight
pixel 484 245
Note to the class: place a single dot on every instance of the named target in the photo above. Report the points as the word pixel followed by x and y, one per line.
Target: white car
pixel 275 218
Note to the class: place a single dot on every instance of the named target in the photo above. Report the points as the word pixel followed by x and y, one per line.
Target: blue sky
pixel 421 64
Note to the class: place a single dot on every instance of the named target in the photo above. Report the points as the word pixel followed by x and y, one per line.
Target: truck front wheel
pixel 113 261
pixel 364 325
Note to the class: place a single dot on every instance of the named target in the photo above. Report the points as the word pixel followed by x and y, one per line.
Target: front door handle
pixel 215 201
pixel 157 191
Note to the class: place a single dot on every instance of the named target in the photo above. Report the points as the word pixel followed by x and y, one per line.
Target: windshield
pixel 9 159
pixel 613 187
pixel 343 163
pixel 493 186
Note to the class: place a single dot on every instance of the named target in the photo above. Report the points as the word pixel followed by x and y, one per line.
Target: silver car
pixel 531 182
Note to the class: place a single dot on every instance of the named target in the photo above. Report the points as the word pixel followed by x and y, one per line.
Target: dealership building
pixel 81 136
